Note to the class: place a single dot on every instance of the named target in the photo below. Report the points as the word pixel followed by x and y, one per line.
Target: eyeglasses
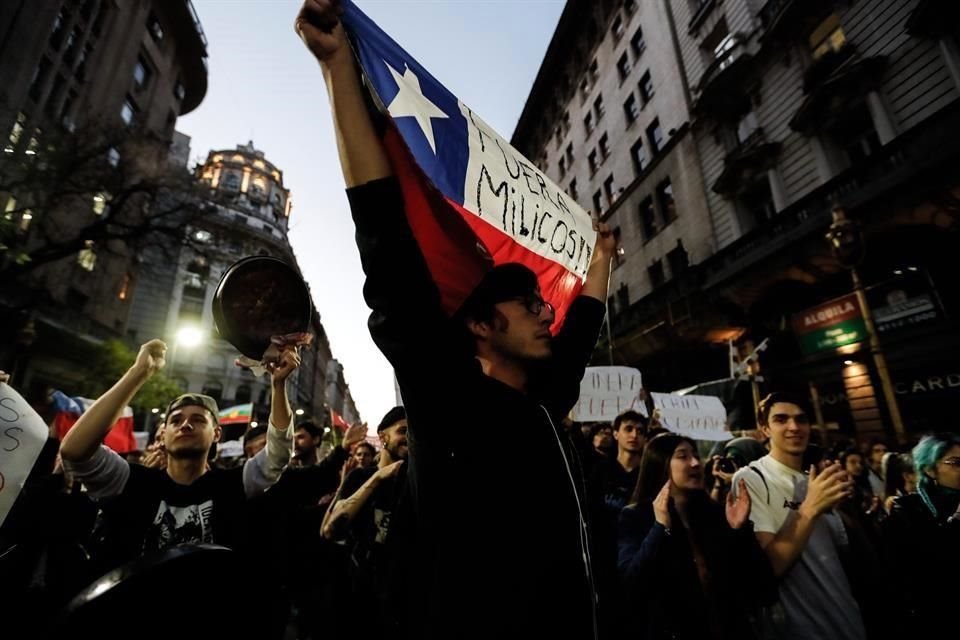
pixel 536 304
pixel 953 462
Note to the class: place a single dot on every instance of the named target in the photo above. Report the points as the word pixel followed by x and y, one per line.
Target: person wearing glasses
pixel 501 548
pixel 922 539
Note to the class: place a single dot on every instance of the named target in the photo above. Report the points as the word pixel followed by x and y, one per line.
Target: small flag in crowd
pixel 338 421
pixel 68 410
pixel 471 198
pixel 239 414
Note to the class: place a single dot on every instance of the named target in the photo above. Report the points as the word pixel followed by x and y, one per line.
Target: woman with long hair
pixel 922 536
pixel 899 477
pixel 691 567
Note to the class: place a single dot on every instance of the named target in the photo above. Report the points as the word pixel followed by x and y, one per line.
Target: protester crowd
pixel 484 511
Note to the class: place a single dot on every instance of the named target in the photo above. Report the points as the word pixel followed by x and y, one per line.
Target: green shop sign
pixel 831 325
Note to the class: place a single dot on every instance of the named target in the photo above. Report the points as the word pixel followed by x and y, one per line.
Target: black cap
pixel 393 416
pixel 501 283
pixel 196 400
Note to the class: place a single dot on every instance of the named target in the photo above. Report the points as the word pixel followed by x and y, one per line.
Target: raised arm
pixel 83 440
pixel 264 469
pixel 362 156
pixel 345 511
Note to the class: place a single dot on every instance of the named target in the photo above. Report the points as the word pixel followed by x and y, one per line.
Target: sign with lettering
pixel 831 325
pixel 22 436
pixel 697 417
pixel 606 392
pixel 902 311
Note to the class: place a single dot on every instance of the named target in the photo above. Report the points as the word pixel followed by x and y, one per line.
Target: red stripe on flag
pixel 120 438
pixel 454 241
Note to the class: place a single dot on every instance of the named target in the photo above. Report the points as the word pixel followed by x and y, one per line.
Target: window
pixel 630 5
pixel 56 92
pixel 243 394
pixel 563 167
pixel 639 156
pixel 87 258
pixel 113 156
pixel 584 89
pixel 154 28
pixel 637 45
pixel 655 136
pixel 592 160
pixel 598 108
pixel 128 112
pixel 34 145
pixel 648 218
pixel 16 132
pixel 100 202
pixel 655 272
pixel 56 33
pixel 716 43
pixel 126 286
pixel 594 71
pixel 81 70
pixel 141 74
pixel 668 207
pixel 558 134
pixel 604 146
pixel 623 297
pixel 630 109
pixel 678 259
pixel 610 189
pixel 67 107
pixel 573 190
pixel 646 87
pixel 565 120
pixel 618 255
pixel 39 79
pixel 597 203
pixel 827 37
pixel 231 181
pixel 73 43
pixel 570 154
pixel 623 67
pixel 747 126
pixel 588 123
pixel 617 28
pixel 855 134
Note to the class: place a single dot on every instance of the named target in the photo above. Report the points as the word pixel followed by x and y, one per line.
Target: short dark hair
pixel 310 428
pixel 501 283
pixel 766 405
pixel 598 427
pixel 364 443
pixel 254 433
pixel 632 416
pixel 392 417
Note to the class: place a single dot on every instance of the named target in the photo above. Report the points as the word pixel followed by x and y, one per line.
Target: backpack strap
pixel 760 473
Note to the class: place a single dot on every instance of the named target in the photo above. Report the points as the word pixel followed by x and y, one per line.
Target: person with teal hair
pixel 922 537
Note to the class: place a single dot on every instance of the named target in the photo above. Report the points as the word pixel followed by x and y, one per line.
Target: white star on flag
pixel 410 102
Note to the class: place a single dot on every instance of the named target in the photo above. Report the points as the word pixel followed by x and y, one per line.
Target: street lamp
pixel 299 412
pixel 189 336
pixel 847 245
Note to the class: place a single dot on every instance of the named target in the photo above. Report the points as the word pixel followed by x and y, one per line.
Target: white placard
pixel 22 436
pixel 697 417
pixel 606 392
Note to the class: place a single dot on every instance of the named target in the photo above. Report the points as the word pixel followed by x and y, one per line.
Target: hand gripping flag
pixel 471 199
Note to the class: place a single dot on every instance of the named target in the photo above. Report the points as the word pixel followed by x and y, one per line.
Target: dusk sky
pixel 264 86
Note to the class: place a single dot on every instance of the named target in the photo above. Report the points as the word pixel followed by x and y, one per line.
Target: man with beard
pixel 306 442
pixel 145 509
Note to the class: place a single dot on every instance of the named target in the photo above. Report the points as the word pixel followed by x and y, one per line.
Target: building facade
pixel 121 73
pixel 774 113
pixel 609 120
pixel 246 212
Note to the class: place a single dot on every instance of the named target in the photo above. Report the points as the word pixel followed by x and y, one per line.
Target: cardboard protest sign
pixel 697 417
pixel 606 392
pixel 22 436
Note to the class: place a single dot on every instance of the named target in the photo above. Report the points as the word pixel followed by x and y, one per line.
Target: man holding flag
pixel 493 552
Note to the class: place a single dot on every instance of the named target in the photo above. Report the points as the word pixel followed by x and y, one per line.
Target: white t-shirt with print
pixel 815 592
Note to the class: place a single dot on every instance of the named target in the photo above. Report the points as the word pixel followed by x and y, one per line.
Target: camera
pixel 727 465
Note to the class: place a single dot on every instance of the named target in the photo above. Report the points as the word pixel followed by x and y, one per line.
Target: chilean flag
pixel 471 199
pixel 120 438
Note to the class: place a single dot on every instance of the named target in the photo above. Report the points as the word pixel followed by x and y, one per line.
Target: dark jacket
pixel 499 545
pixel 923 558
pixel 664 589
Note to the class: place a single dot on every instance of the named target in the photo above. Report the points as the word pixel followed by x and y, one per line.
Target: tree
pixel 113 358
pixel 108 188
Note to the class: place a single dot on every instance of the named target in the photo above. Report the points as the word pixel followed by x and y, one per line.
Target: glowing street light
pixel 299 412
pixel 189 336
pixel 253 425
